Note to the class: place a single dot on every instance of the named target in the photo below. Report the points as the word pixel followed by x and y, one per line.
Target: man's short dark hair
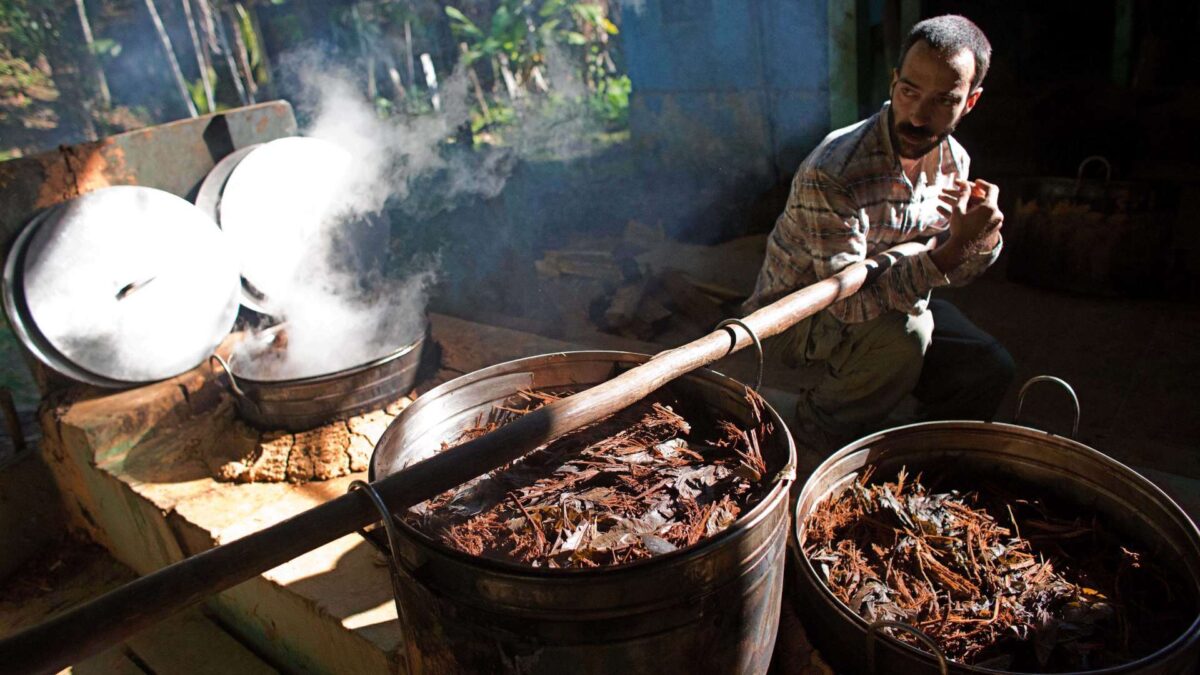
pixel 950 34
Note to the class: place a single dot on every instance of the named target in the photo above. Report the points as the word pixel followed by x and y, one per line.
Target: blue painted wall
pixel 730 93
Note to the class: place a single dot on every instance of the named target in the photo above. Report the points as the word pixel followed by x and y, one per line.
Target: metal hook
pixel 757 345
pixel 1058 381
pixel 229 372
pixel 1084 163
pixel 874 628
pixel 389 526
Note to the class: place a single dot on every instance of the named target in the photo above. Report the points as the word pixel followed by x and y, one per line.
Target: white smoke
pixel 336 315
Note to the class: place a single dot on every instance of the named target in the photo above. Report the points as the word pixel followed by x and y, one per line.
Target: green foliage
pixel 518 37
pixel 23 26
pixel 106 47
pixel 196 92
pixel 611 103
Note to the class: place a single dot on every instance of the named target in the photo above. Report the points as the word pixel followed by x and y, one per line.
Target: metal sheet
pixel 130 283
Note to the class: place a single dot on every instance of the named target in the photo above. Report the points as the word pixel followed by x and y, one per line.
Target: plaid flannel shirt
pixel 850 200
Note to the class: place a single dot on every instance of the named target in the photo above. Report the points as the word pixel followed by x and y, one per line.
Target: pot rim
pixel 401 352
pixel 1189 635
pixel 759 512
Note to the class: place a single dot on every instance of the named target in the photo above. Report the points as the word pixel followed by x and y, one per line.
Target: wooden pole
pixel 112 618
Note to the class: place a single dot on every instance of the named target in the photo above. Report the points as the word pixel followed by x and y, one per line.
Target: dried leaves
pixel 960 570
pixel 639 483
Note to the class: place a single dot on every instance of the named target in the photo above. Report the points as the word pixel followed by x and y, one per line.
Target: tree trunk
pixel 222 38
pixel 100 81
pixel 243 56
pixel 169 49
pixel 201 62
pixel 408 54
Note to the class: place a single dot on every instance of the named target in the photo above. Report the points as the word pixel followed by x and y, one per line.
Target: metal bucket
pixel 1060 466
pixel 303 403
pixel 712 607
pixel 1094 237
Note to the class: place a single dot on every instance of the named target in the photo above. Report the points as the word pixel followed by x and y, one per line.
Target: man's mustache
pixel 910 130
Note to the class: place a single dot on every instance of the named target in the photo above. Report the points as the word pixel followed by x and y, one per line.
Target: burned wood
pixel 639 483
pixel 955 566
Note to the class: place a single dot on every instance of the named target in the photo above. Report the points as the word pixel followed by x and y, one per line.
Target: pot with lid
pixel 121 286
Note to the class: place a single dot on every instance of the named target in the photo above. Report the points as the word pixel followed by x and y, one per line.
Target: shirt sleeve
pixel 835 232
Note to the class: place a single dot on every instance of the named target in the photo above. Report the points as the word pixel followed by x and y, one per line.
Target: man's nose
pixel 920 115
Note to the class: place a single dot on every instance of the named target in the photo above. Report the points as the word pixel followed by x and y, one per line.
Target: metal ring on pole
pixel 1058 381
pixel 874 628
pixel 393 539
pixel 757 345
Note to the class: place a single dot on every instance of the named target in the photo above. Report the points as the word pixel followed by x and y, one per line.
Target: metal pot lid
pixel 208 200
pixel 275 204
pixel 130 283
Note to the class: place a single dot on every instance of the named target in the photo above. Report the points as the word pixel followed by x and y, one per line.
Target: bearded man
pixel 897 176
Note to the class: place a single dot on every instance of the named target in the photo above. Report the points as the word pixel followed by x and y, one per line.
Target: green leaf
pixel 462 23
pixel 573 38
pixel 248 35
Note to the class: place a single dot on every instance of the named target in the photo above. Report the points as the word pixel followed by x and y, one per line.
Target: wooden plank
pixel 191 644
pixel 112 662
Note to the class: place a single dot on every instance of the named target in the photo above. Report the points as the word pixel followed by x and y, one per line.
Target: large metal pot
pixel 712 607
pixel 1060 466
pixel 303 403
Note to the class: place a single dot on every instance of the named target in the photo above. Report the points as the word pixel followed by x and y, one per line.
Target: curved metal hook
pixel 874 628
pixel 1049 378
pixel 389 526
pixel 229 372
pixel 757 345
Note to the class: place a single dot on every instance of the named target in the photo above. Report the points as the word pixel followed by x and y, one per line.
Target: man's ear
pixel 972 98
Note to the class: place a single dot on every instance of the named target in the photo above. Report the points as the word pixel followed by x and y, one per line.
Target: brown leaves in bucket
pixel 1069 595
pixel 642 482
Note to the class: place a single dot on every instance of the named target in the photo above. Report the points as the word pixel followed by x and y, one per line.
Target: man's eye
pixel 949 102
pixel 908 93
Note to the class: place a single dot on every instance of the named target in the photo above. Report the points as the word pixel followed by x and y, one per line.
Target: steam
pixel 339 309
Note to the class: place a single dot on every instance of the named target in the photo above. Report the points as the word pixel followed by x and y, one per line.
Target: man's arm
pixel 826 221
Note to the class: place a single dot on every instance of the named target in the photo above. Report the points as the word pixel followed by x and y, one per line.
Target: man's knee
pixel 999 365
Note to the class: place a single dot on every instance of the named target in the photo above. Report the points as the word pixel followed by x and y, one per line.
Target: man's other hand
pixel 975 221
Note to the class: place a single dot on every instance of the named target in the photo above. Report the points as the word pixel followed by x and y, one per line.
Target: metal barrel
pixel 711 607
pixel 1050 464
pixel 303 403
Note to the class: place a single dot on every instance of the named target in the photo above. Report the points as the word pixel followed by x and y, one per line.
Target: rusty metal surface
pixel 713 607
pixel 1059 466
pixel 174 157
pixel 304 403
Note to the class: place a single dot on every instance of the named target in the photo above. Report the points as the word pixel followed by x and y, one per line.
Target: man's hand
pixel 975 221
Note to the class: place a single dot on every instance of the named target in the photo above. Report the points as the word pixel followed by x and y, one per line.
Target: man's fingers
pixel 988 193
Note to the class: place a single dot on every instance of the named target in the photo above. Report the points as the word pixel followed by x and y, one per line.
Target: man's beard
pixel 924 145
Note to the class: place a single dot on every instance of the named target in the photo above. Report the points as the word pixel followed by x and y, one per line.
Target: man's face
pixel 930 94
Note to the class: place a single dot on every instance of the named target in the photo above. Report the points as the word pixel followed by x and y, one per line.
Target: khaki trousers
pixel 852 376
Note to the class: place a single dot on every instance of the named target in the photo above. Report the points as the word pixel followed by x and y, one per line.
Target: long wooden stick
pixel 112 618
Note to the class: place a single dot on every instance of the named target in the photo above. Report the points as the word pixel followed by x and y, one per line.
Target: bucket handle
pixel 753 336
pixel 1049 378
pixel 874 628
pixel 228 373
pixel 1084 163
pixel 393 539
